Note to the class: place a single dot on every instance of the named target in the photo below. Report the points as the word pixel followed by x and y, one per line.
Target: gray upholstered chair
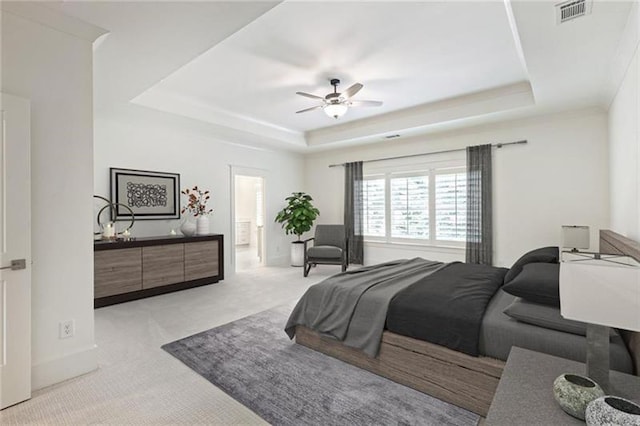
pixel 330 247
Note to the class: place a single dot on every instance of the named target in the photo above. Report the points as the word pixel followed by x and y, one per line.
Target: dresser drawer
pixel 117 271
pixel 201 260
pixel 162 265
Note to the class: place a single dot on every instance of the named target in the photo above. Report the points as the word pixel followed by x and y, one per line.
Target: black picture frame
pixel 150 195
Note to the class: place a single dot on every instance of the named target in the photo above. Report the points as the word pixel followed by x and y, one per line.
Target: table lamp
pixel 603 291
pixel 575 237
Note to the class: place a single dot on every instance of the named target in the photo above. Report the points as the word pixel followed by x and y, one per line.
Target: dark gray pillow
pixel 545 316
pixel 541 255
pixel 538 283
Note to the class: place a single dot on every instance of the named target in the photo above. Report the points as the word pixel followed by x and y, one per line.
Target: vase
pixel 612 410
pixel 574 393
pixel 188 228
pixel 202 225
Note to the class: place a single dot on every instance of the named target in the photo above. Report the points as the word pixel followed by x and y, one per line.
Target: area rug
pixel 254 362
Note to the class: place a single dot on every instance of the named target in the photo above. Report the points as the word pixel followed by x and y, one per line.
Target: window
pixel 421 207
pixel 451 206
pixel 373 207
pixel 409 202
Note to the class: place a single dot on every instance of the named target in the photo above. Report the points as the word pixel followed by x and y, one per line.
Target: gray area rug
pixel 254 362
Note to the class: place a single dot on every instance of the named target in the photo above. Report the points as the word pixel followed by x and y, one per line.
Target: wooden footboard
pixel 451 376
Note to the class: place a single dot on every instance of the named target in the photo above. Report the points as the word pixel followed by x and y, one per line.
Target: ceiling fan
pixel 336 104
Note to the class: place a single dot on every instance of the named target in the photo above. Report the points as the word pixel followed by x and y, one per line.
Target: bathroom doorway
pixel 249 213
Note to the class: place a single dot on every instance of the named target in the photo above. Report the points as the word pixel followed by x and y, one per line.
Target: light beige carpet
pixel 139 383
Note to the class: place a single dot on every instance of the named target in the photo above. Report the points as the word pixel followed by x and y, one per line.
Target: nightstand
pixel 525 397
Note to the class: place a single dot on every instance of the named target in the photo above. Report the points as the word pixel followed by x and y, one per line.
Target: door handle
pixel 16 265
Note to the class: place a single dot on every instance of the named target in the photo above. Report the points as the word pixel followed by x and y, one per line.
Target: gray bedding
pixel 352 306
pixel 499 332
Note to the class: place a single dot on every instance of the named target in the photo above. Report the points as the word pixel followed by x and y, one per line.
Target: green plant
pixel 298 216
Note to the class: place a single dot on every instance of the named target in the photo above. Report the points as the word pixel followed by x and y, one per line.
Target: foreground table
pixel 525 396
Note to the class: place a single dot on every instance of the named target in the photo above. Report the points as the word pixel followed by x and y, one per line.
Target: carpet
pixel 254 362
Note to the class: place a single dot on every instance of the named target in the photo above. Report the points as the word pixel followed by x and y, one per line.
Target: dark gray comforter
pixel 446 308
pixel 352 306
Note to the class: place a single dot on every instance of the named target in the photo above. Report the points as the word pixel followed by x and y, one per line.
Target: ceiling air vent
pixel 392 136
pixel 572 9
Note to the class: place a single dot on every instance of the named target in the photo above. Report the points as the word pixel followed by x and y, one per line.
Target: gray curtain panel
pixel 353 210
pixel 479 248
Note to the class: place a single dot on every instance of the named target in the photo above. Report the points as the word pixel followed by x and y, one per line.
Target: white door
pixel 15 252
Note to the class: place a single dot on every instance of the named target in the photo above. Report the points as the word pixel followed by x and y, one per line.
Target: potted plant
pixel 297 218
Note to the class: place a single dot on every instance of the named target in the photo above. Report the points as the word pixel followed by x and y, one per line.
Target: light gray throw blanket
pixel 352 306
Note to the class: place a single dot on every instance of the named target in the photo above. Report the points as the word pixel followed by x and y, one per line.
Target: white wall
pixel 624 138
pixel 559 177
pixel 54 70
pixel 144 139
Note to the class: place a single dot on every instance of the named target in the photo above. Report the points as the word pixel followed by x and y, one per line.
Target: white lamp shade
pixel 601 292
pixel 575 237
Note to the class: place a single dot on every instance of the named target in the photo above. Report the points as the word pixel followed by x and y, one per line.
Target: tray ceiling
pixel 237 65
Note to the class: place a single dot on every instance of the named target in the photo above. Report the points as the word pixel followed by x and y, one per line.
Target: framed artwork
pixel 150 195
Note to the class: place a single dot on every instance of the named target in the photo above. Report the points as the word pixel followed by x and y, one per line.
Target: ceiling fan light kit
pixel 337 104
pixel 335 110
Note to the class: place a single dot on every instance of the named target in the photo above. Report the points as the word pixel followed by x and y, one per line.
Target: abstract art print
pixel 150 195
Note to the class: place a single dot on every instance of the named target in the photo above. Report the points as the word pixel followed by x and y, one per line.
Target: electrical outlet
pixel 66 329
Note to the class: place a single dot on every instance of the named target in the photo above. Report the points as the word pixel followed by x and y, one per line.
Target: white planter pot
pixel 297 253
pixel 202 225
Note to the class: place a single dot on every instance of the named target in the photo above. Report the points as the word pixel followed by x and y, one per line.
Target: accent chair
pixel 330 247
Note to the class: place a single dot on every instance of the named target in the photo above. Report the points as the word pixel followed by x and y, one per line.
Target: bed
pixel 462 377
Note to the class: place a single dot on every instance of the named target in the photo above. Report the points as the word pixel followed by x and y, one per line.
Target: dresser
pixel 144 267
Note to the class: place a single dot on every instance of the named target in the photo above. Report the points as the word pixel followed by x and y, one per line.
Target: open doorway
pixel 249 212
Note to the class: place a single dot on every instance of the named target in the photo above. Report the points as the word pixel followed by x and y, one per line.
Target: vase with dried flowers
pixel 197 205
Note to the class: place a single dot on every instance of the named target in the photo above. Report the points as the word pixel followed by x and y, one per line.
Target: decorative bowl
pixel 574 393
pixel 612 410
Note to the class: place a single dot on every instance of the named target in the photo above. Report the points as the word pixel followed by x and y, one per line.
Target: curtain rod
pixel 497 145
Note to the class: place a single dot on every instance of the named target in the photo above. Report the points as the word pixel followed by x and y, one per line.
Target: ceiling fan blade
pixel 365 103
pixel 355 88
pixel 309 95
pixel 309 109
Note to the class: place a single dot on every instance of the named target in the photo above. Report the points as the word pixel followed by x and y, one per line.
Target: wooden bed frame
pixel 466 381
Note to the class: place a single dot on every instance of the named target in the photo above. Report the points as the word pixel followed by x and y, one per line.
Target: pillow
pixel 538 283
pixel 545 316
pixel 541 255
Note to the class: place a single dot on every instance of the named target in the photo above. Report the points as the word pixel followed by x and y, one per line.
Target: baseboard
pixel 284 260
pixel 57 370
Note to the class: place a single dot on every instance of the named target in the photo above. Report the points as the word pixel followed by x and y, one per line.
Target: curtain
pixel 353 210
pixel 479 247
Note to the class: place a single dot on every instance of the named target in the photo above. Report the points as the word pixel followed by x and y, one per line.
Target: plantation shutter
pixel 373 195
pixel 409 207
pixel 451 206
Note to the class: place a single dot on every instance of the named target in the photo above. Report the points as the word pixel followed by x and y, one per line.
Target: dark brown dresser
pixel 144 267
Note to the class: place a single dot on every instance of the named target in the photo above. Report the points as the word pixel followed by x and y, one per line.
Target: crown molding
pixel 421 117
pixel 177 104
pixel 50 17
